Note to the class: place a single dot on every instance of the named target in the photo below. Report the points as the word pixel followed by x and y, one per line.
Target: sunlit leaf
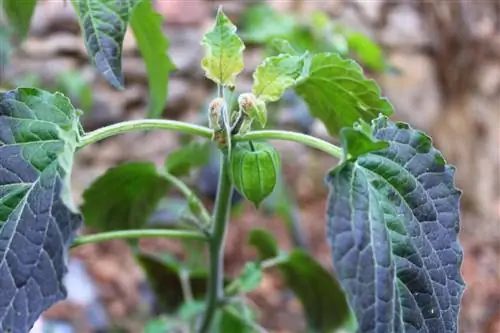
pixel 38 219
pixel 393 219
pixel 223 51
pixel 275 75
pixel 337 92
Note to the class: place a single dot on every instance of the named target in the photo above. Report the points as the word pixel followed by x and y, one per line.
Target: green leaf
pixel 251 277
pixel 366 51
pixel 19 13
pixel 357 142
pixel 194 154
pixel 264 242
pixel 223 52
pixel 393 222
pixel 236 320
pixel 104 23
pixel 275 75
pixel 322 298
pixel 38 219
pixel 146 25
pixel 337 92
pixel 261 23
pixel 124 197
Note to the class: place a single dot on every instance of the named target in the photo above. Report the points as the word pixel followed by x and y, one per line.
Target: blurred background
pixel 437 61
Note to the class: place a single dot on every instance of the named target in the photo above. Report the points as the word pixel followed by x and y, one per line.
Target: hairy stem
pixel 307 140
pixel 140 233
pixel 219 230
pixel 143 124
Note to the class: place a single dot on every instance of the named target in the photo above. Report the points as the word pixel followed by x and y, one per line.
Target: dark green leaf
pixel 19 14
pixel 163 275
pixel 38 219
pixel 194 154
pixel 393 219
pixel 124 197
pixel 104 23
pixel 223 51
pixel 337 92
pixel 236 320
pixel 264 242
pixel 322 298
pixel 146 24
pixel 366 51
pixel 261 23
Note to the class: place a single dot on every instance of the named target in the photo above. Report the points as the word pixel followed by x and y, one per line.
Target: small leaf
pixel 104 23
pixel 181 161
pixel 337 92
pixel 223 52
pixel 262 23
pixel 146 25
pixel 283 46
pixel 322 298
pixel 19 13
pixel 393 222
pixel 124 197
pixel 250 278
pixel 275 75
pixel 38 219
pixel 355 142
pixel 367 51
pixel 264 242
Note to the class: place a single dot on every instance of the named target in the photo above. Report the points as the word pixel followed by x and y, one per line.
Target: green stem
pixel 307 140
pixel 140 233
pixel 195 204
pixel 219 230
pixel 143 124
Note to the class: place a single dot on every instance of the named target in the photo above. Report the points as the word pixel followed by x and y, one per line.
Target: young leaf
pixel 181 161
pixel 146 25
pixel 264 242
pixel 251 277
pixel 337 92
pixel 38 219
pixel 324 302
pixel 223 52
pixel 124 197
pixel 104 23
pixel 19 15
pixel 393 219
pixel 355 143
pixel 275 75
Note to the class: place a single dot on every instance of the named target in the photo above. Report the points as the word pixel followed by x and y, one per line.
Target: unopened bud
pixel 254 107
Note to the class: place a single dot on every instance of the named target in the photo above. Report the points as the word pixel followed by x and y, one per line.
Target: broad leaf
pixel 223 51
pixel 19 13
pixel 104 23
pixel 355 142
pixel 337 92
pixel 38 219
pixel 275 75
pixel 393 219
pixel 146 25
pixel 194 154
pixel 236 319
pixel 322 298
pixel 124 197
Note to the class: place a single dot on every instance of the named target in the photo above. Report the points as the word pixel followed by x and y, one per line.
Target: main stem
pixel 216 244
